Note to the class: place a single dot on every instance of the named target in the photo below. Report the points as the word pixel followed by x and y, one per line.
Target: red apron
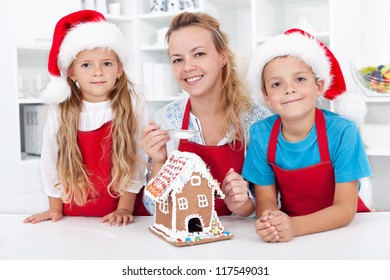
pixel 219 158
pixel 306 190
pixel 96 148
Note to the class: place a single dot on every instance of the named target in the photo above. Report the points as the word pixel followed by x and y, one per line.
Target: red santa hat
pixel 82 30
pixel 300 44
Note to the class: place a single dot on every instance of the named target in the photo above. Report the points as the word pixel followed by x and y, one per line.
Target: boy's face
pixel 290 87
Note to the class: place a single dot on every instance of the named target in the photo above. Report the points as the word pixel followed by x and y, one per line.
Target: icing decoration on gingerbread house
pixel 185 191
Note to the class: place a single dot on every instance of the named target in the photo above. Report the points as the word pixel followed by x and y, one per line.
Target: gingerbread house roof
pixel 176 172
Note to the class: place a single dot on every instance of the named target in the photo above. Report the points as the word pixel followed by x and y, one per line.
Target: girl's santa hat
pixel 79 31
pixel 300 44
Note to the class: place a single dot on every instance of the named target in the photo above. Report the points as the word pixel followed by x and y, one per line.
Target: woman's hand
pixel 118 217
pixel 153 142
pixel 51 214
pixel 235 189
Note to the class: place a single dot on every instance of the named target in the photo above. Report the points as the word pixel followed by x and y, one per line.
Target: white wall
pixel 21 21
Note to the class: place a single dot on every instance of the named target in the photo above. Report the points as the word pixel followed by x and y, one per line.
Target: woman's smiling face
pixel 196 63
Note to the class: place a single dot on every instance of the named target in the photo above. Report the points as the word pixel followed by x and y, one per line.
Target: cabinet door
pixel 34 21
pixel 274 17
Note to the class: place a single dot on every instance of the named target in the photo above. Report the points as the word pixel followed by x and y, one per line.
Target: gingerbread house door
pixel 194 224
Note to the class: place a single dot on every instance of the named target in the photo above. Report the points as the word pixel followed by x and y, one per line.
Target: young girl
pixel 219 107
pixel 91 163
pixel 313 157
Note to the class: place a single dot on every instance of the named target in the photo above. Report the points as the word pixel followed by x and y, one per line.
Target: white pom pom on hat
pixel 300 44
pixel 78 31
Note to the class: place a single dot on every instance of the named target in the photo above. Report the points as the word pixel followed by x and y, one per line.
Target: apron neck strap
pixel 186 117
pixel 321 135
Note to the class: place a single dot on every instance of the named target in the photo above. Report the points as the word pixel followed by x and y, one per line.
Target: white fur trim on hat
pixel 352 106
pixel 88 36
pixel 303 47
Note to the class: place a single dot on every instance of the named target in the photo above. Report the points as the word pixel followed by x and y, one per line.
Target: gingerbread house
pixel 185 191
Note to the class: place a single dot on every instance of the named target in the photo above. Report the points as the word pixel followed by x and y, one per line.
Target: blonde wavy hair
pixel 235 92
pixel 72 172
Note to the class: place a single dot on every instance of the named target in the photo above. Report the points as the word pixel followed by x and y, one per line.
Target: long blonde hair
pixel 72 172
pixel 236 97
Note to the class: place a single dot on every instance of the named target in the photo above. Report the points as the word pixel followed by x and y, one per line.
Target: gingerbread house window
pixel 195 180
pixel 183 203
pixel 164 207
pixel 202 201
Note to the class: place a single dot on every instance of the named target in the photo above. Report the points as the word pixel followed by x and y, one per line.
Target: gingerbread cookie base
pixel 191 240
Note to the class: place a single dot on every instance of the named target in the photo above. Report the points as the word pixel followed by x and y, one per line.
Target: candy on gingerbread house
pixel 184 191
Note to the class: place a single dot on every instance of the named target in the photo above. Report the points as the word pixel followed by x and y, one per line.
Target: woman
pixel 219 107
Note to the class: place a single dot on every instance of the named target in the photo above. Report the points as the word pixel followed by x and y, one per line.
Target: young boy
pixel 313 158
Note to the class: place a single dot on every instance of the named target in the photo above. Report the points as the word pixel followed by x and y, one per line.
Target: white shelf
pixel 377 99
pixel 161 16
pixel 118 18
pixel 322 36
pixel 156 47
pixel 378 152
pixel 157 16
pixel 238 4
pixel 26 158
pixel 39 45
pixel 376 139
pixel 30 100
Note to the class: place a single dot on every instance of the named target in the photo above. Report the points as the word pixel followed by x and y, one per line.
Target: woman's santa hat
pixel 76 32
pixel 300 44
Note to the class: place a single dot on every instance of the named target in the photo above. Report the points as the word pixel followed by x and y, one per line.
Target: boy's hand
pixel 265 229
pixel 274 226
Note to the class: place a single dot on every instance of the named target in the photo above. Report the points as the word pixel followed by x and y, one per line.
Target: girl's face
pixel 96 71
pixel 197 65
pixel 290 87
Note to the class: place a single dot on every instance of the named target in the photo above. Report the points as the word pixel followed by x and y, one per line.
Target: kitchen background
pixel 355 30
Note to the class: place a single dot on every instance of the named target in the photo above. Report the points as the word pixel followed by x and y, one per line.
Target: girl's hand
pixel 51 214
pixel 235 189
pixel 118 217
pixel 153 142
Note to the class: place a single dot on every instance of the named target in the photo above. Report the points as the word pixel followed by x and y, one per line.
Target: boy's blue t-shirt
pixel 346 151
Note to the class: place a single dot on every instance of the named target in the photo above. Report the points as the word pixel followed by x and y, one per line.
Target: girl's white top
pixel 93 116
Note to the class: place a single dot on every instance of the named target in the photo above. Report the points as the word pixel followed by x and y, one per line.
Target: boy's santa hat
pixel 82 30
pixel 300 44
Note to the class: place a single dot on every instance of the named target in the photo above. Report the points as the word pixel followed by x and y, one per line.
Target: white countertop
pixel 367 237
